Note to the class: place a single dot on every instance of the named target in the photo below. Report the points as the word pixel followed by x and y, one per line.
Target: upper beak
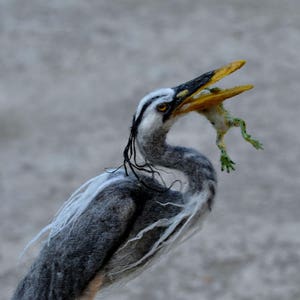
pixel 192 96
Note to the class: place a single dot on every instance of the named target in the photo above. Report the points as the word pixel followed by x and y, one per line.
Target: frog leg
pixel 236 122
pixel 226 162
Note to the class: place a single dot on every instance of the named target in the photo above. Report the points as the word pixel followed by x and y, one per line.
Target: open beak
pixel 198 94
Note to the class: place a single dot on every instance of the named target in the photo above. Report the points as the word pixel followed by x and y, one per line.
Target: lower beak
pixel 196 95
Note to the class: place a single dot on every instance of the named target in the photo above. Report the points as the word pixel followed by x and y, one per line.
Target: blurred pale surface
pixel 71 74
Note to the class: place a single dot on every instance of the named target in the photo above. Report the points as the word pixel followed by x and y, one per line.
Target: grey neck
pixel 193 164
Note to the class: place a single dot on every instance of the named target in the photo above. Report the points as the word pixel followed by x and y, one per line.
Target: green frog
pixel 222 120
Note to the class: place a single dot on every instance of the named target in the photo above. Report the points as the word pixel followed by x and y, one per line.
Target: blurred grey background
pixel 71 75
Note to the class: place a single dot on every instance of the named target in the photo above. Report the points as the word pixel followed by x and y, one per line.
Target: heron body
pixel 119 222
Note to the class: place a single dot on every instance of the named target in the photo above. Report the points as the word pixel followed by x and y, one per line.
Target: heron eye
pixel 162 107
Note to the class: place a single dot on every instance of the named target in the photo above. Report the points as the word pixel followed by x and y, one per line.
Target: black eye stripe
pixel 155 97
pixel 146 105
pixel 139 118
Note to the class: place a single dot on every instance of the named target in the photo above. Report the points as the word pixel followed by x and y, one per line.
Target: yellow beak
pixel 204 98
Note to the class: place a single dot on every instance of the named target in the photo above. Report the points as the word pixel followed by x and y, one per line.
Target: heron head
pixel 158 111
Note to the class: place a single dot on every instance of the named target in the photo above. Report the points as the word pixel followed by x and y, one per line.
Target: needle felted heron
pixel 118 222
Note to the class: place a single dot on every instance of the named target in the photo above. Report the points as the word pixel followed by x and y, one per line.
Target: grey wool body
pixel 117 230
pixel 90 244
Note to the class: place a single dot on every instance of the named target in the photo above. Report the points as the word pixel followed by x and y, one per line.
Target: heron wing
pixel 83 247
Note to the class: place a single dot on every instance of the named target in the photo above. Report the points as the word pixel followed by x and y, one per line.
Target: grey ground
pixel 71 74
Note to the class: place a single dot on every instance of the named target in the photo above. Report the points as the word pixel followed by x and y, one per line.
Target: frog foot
pixel 247 137
pixel 226 162
pixel 255 143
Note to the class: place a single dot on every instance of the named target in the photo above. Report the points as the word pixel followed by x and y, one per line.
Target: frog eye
pixel 162 107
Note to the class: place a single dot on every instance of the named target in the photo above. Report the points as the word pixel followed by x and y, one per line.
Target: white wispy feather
pixel 191 213
pixel 77 203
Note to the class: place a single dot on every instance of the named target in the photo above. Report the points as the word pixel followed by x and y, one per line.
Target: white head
pixel 153 112
pixel 156 113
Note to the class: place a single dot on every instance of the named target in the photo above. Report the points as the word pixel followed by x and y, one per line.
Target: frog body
pixel 222 121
